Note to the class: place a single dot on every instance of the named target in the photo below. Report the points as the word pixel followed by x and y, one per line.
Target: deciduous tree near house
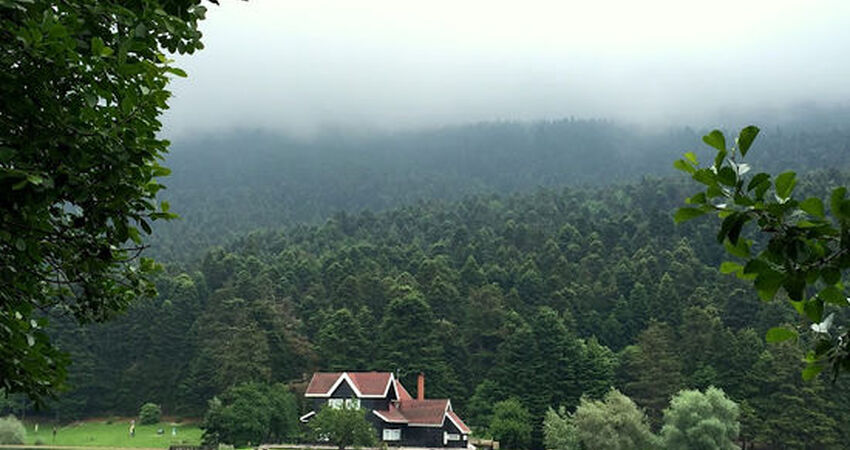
pixel 343 427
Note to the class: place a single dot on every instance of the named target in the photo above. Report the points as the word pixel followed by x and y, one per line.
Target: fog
pixel 301 66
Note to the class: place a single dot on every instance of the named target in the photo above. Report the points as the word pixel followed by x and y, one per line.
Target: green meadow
pixel 115 433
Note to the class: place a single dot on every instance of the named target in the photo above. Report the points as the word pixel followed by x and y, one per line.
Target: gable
pixel 362 384
pixel 343 390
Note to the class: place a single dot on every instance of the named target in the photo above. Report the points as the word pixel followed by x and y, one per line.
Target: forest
pixel 546 295
pixel 477 195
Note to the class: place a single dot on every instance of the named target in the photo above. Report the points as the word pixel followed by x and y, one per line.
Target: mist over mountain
pixel 227 183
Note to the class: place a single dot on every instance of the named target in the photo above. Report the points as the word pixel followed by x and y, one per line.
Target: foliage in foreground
pixel 343 427
pixel 12 431
pixel 614 422
pixel 808 249
pixel 81 88
pixel 701 421
pixel 251 413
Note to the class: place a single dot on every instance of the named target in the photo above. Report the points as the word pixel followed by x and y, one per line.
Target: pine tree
pixel 656 368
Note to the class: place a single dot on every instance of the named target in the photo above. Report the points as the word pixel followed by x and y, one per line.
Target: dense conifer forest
pixel 555 279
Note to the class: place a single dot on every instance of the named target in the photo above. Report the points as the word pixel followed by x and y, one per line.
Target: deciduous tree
pixel 343 427
pixel 701 421
pixel 82 85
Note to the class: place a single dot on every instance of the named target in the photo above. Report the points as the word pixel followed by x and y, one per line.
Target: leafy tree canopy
pixel 612 423
pixel 82 84
pixel 807 251
pixel 251 413
pixel 343 427
pixel 701 421
pixel 511 424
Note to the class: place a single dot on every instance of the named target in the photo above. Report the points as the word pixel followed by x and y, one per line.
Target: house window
pixel 352 403
pixel 452 437
pixel 392 434
pixel 336 403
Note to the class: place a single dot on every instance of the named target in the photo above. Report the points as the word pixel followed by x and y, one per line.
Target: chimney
pixel 420 386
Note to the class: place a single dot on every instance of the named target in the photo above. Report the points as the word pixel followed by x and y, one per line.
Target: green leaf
pixel 698 199
pixel 727 176
pixel 831 275
pixel 836 199
pixel 684 214
pixel 735 229
pixel 681 164
pixel 813 206
pixel 767 284
pixel 832 294
pixel 814 310
pixel 785 183
pixel 740 249
pixel 177 71
pixel 728 267
pixel 690 156
pixel 91 99
pixel 811 371
pixel 795 286
pixel 715 139
pixel 746 138
pixel 779 334
pixel 757 180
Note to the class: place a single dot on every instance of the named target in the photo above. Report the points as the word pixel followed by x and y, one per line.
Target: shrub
pixel 149 414
pixel 12 431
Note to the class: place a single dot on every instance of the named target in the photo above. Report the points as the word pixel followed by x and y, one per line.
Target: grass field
pixel 114 433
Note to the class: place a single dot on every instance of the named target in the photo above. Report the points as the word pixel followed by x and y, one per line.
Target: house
pixel 400 419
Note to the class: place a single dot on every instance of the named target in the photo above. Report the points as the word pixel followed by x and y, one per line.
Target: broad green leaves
pixel 785 183
pixel 684 214
pixel 85 83
pixel 779 334
pixel 806 252
pixel 716 140
pixel 746 138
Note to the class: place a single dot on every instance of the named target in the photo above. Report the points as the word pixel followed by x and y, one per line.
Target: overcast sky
pixel 299 66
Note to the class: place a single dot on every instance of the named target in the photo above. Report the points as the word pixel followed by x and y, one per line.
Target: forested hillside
pixel 543 296
pixel 226 184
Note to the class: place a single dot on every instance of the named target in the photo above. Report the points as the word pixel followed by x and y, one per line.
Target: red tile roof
pixel 402 392
pixel 393 415
pixel 459 423
pixel 322 382
pixel 371 383
pixel 365 383
pixel 424 412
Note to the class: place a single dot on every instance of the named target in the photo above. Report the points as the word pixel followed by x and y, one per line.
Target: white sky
pixel 297 66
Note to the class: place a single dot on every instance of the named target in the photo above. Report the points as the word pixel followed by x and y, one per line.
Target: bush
pixel 149 414
pixel 12 431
